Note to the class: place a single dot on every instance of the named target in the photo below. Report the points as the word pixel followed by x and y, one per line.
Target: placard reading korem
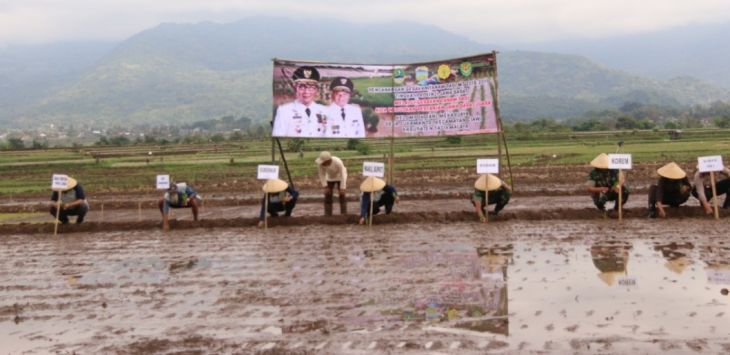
pixel 710 163
pixel 331 100
pixel 266 172
pixel 59 182
pixel 487 166
pixel 619 161
pixel 373 169
pixel 163 182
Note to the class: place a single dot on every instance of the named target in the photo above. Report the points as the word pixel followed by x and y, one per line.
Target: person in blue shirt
pixel 282 198
pixel 73 202
pixel 384 196
pixel 179 195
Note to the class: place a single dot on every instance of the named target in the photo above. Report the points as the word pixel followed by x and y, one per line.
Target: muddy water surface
pixel 551 286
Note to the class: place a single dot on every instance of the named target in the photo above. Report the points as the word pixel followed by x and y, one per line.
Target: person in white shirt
pixel 332 172
pixel 303 117
pixel 702 187
pixel 344 119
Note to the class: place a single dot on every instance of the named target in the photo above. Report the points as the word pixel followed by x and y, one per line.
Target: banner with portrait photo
pixel 330 100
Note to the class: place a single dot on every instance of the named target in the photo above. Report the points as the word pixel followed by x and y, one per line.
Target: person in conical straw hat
pixel 384 196
pixel 702 187
pixel 73 202
pixel 603 184
pixel 282 198
pixel 499 195
pixel 332 174
pixel 610 259
pixel 672 188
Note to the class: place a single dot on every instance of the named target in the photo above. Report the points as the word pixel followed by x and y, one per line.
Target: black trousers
pixel 79 211
pixel 671 198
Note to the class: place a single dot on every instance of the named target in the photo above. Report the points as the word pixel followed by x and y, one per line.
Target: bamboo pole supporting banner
pixel 500 130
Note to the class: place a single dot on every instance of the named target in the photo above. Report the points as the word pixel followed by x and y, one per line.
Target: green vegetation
pixel 133 168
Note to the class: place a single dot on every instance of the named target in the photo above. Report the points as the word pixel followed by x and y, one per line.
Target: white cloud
pixel 37 21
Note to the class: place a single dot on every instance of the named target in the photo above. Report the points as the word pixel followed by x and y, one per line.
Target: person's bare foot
pixel 362 220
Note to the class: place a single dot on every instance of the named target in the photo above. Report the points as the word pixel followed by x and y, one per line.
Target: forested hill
pixel 179 73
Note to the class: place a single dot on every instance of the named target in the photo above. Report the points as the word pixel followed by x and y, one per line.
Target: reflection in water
pixel 610 257
pixel 717 259
pixel 493 275
pixel 468 290
pixel 677 255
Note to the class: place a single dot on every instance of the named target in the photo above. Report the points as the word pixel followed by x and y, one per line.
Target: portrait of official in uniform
pixel 344 119
pixel 303 117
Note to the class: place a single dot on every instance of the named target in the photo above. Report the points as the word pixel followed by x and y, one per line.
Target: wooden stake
pixel 714 194
pixel 620 198
pixel 102 212
pixel 266 210
pixel 370 221
pixel 58 213
pixel 139 211
pixel 486 204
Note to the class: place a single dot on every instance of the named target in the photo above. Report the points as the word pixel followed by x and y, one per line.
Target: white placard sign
pixel 487 166
pixel 627 281
pixel 619 161
pixel 718 276
pixel 370 168
pixel 163 182
pixel 266 172
pixel 59 182
pixel 710 163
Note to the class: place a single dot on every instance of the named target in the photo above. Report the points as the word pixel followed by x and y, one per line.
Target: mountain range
pixel 181 73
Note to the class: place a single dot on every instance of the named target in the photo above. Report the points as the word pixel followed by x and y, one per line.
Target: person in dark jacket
pixel 499 195
pixel 672 188
pixel 73 202
pixel 384 196
pixel 282 198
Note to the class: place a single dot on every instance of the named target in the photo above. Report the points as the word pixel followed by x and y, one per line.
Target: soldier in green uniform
pixel 603 184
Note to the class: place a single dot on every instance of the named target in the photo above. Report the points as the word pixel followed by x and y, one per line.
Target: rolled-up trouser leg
pixel 328 203
pixel 343 203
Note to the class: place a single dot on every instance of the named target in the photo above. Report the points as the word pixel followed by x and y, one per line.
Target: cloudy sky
pixel 487 21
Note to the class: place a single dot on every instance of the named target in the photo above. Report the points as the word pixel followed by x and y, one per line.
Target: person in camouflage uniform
pixel 603 184
pixel 499 195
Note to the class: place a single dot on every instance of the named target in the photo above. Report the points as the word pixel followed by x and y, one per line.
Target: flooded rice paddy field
pixel 540 286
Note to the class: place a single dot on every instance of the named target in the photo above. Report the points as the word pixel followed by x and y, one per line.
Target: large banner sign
pixel 329 100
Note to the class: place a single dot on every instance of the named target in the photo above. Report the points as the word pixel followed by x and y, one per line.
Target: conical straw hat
pixel 487 182
pixel 609 278
pixel 372 184
pixel 678 265
pixel 275 185
pixel 671 171
pixel 600 162
pixel 70 184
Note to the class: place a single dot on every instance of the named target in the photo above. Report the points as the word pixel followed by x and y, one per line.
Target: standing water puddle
pixel 307 290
